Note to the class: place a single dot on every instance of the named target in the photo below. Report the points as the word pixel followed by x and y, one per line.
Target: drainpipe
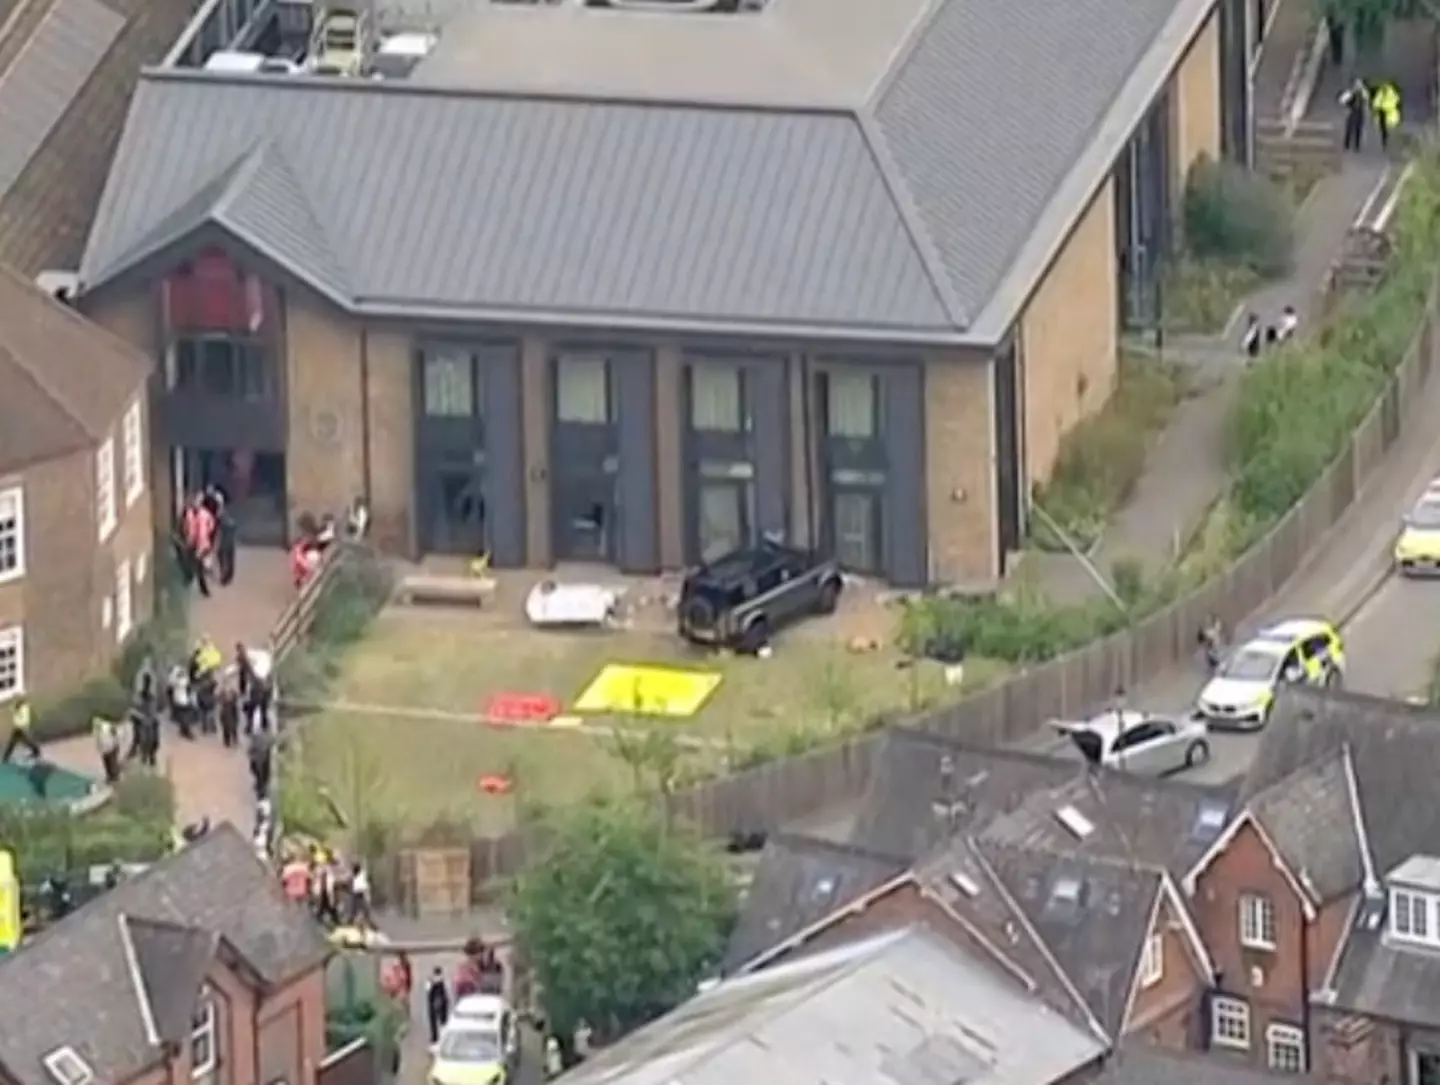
pixel 1305 988
pixel 365 465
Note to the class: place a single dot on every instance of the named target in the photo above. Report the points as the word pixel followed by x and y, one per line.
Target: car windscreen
pixel 469 1045
pixel 1426 516
pixel 1089 745
pixel 1251 665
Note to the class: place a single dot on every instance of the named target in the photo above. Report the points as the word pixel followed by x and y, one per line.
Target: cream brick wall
pixel 960 476
pixel 325 458
pixel 390 394
pixel 1068 338
pixel 1196 97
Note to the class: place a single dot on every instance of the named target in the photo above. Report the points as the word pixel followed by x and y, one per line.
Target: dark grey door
pixel 585 458
pixel 1008 469
pixel 906 542
pixel 1235 83
pixel 857 469
pixel 638 540
pixel 450 458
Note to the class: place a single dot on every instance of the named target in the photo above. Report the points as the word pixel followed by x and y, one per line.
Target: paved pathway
pixel 209 780
pixel 1185 471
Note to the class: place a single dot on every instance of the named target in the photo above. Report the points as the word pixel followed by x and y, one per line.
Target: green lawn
pixel 391 746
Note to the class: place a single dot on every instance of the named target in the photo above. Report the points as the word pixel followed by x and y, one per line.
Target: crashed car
pixel 1139 742
pixel 742 599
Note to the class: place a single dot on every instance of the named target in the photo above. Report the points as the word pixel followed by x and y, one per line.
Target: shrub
pixel 358 588
pixel 134 828
pixel 1025 629
pixel 1237 217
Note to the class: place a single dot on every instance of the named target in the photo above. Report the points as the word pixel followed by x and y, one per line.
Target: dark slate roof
pixel 1401 983
pixel 88 984
pixel 907 206
pixel 1150 1066
pixel 64 382
pixel 1098 939
pixel 1310 819
pixel 798 882
pixel 67 69
pixel 172 961
pixel 1011 798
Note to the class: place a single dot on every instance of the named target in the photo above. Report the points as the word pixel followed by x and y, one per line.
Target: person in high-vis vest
pixel 21 720
pixel 1314 670
pixel 1385 103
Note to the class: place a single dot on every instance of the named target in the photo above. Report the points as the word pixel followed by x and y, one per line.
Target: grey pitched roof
pixel 900 1008
pixel 1151 1066
pixel 1309 818
pixel 1011 798
pixel 85 972
pixel 171 961
pixel 1097 939
pixel 799 881
pixel 890 171
pixel 1399 983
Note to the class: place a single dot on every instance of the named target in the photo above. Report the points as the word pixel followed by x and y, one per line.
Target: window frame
pixel 1252 925
pixel 838 375
pixel 1152 961
pixel 571 361
pixel 1417 903
pixel 702 367
pixel 12 638
pixel 124 602
pixel 246 357
pixel 107 505
pixel 1280 1036
pixel 1235 1010
pixel 132 453
pixel 205 1028
pixel 14 497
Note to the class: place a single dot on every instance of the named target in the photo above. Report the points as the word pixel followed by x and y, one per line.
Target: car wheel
pixel 755 637
pixel 1197 753
pixel 1332 679
pixel 696 615
pixel 829 597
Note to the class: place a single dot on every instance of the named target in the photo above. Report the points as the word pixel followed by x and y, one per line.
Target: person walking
pixel 107 745
pixel 20 722
pixel 1251 339
pixel 1386 104
pixel 1356 100
pixel 259 756
pixel 229 713
pixel 437 1004
pixel 225 545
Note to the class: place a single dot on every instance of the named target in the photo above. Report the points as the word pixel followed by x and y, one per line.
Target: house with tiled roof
pixel 76 530
pixel 636 286
pixel 197 969
pixel 1320 903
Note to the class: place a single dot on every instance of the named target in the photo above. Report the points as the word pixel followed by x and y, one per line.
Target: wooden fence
pixel 772 794
pixel 353 1064
pixel 296 619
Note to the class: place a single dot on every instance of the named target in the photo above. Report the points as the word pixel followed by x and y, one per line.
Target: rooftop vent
pixel 823 888
pixel 66 1067
pixel 963 882
pixel 1078 824
pixel 1209 820
pixel 1067 897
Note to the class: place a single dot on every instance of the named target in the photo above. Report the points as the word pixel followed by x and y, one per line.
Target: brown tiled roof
pixel 45 214
pixel 63 380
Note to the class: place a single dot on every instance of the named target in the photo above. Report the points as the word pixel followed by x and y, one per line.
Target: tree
pixel 620 917
pixel 1366 20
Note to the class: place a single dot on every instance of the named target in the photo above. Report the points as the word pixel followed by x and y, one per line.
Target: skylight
pixel 67 1067
pixel 1209 820
pixel 1066 890
pixel 1075 821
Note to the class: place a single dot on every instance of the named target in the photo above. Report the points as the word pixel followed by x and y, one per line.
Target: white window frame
pixel 1409 905
pixel 1234 1013
pixel 12 501
pixel 132 447
pixel 1152 961
pixel 1257 921
pixel 206 1032
pixel 124 602
pixel 1287 1042
pixel 106 511
pixel 12 639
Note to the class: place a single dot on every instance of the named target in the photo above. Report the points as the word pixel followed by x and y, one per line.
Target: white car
pixel 1139 742
pixel 1299 651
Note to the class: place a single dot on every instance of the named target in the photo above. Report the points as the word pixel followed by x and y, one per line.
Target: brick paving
pixel 209 780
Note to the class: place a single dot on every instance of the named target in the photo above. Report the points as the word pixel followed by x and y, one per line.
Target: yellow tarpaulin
pixel 9 903
pixel 641 690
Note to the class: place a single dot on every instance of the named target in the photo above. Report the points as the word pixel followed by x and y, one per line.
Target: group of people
pixel 1257 336
pixel 318 536
pixel 1363 100
pixel 338 893
pixel 204 539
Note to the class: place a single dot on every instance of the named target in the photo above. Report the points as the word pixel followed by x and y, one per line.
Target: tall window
pixel 223 365
pixel 717 398
pixel 12 534
pixel 1152 961
pixel 203 1052
pixel 132 446
pixel 1257 921
pixel 450 385
pixel 1285 1049
pixel 105 510
pixel 12 663
pixel 582 389
pixel 1229 1022
pixel 852 404
pixel 124 601
pixel 1410 916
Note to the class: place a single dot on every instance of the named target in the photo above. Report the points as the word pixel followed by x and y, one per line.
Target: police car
pixel 1417 550
pixel 1305 651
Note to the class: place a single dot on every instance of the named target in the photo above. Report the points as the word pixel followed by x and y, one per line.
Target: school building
pixel 597 284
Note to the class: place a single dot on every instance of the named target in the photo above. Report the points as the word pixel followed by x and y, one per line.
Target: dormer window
pixel 1412 916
